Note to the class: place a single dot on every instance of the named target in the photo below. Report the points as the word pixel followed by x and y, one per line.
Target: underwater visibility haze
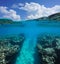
pixel 30 31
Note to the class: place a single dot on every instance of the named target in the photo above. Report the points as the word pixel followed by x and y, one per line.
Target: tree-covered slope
pixel 6 21
pixel 55 16
pixel 51 17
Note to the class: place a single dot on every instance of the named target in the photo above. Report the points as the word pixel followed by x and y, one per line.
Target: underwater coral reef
pixel 9 48
pixel 48 47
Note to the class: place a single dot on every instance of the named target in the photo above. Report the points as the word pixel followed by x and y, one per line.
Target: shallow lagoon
pixel 31 29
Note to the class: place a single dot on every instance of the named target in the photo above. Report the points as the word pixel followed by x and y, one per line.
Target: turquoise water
pixel 31 30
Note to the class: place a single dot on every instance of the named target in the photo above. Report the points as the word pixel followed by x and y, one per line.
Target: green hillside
pixel 6 21
pixel 51 17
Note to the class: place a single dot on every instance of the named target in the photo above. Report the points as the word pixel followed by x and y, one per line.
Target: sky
pixel 28 9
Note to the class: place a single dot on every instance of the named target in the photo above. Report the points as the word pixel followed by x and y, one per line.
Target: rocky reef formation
pixel 49 49
pixel 9 48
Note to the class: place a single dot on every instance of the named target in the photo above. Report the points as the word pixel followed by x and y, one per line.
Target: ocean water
pixel 31 29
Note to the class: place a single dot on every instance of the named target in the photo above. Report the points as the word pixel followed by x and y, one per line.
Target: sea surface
pixel 31 30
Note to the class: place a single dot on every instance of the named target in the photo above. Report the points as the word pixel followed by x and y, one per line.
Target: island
pixel 55 16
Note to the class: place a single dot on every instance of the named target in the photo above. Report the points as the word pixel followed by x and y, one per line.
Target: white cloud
pixel 21 4
pixel 9 13
pixel 14 6
pixel 17 5
pixel 36 10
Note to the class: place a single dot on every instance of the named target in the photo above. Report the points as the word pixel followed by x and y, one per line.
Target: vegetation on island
pixel 55 17
pixel 6 21
pixel 51 17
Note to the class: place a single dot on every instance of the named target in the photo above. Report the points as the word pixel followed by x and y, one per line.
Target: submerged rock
pixel 49 49
pixel 9 49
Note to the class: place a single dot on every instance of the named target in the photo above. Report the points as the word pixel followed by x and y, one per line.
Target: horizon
pixel 26 19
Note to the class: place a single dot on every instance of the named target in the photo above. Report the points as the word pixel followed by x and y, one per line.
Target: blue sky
pixel 28 9
pixel 47 3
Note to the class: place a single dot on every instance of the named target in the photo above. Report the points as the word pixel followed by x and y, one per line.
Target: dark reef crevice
pixel 58 57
